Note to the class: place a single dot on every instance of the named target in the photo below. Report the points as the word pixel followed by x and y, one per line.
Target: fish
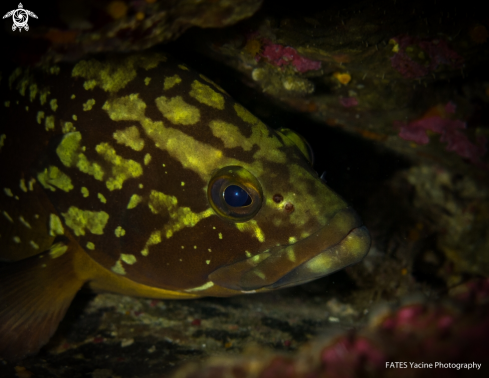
pixel 134 174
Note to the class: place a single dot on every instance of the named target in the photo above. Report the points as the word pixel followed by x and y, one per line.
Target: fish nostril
pixel 289 207
pixel 277 198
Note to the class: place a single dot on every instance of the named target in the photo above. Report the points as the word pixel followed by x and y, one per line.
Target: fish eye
pixel 300 142
pixel 235 194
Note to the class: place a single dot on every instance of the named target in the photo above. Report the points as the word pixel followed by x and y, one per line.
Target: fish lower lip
pixel 341 242
pixel 349 251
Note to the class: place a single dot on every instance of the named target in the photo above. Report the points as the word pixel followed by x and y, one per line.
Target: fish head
pixel 301 229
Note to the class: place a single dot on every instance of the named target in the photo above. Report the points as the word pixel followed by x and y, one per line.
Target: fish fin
pixel 34 296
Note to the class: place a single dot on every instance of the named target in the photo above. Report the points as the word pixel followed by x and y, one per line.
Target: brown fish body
pixel 136 175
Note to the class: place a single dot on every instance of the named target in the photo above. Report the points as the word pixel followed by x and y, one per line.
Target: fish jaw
pixel 343 241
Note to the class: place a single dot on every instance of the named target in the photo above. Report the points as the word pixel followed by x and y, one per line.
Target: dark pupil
pixel 236 196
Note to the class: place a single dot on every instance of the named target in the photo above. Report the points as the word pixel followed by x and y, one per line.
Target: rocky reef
pixel 393 97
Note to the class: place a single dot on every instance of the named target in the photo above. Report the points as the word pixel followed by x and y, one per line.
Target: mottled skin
pixel 107 168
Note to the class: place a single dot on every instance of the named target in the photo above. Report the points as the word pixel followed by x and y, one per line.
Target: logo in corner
pixel 20 17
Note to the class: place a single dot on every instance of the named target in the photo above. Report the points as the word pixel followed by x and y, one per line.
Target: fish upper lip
pixel 269 267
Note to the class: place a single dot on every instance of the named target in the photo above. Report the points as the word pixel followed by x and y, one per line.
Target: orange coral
pixel 479 34
pixel 253 47
pixel 371 135
pixel 60 37
pixel 117 9
pixel 343 78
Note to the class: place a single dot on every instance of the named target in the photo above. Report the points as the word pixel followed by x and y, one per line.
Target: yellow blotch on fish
pixel 79 220
pixel 52 178
pixel 177 111
pixel 130 137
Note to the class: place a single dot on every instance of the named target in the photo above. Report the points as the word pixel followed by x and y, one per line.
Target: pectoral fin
pixel 34 296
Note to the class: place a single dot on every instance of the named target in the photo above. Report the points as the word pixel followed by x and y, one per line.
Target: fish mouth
pixel 343 241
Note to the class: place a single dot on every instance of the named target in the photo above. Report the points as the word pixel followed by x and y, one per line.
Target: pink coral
pixel 451 134
pixel 408 67
pixel 432 332
pixel 450 107
pixel 437 51
pixel 280 55
pixel 348 102
pixel 350 354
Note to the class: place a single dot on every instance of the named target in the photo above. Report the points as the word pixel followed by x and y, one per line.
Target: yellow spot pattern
pixel 68 128
pixel 88 105
pixel 54 104
pixel 22 185
pixel 54 70
pixel 70 154
pixel 49 123
pixel 114 75
pixel 6 215
pixel 118 268
pixel 2 140
pixel 179 217
pixel 55 225
pixel 39 117
pixel 230 135
pixel 119 232
pixel 134 201
pixel 43 95
pixel 128 259
pixel 79 220
pixel 57 250
pixel 211 82
pixel 129 137
pixel 171 81
pixel 85 192
pixel 32 91
pixel 154 238
pixel 206 95
pixel 24 222
pixel 177 111
pixel 122 169
pixel 200 157
pixel 52 177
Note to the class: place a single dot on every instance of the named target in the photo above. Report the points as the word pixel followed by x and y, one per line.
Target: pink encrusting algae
pixel 445 332
pixel 280 55
pixel 350 354
pixel 348 102
pixel 451 134
pixel 431 53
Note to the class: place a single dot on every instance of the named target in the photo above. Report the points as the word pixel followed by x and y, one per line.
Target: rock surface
pixel 393 97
